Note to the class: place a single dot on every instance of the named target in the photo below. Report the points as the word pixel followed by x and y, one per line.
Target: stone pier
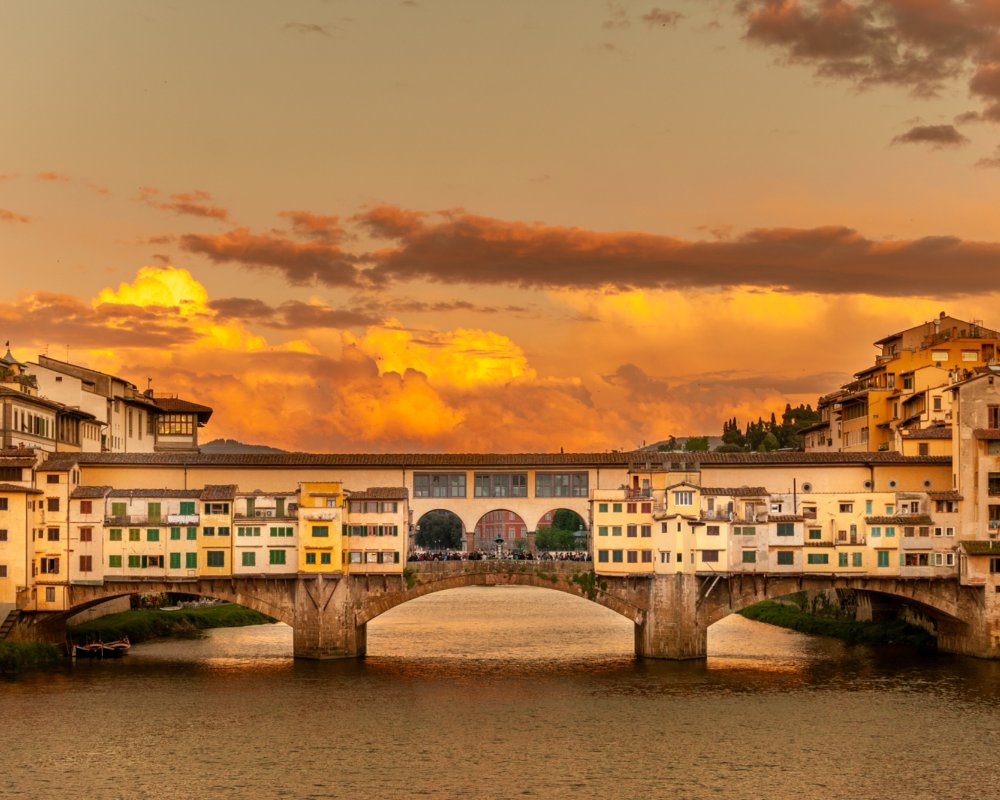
pixel 326 623
pixel 671 628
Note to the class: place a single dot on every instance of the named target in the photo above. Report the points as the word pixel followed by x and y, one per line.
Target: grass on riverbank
pixel 143 624
pixel 17 657
pixel 893 631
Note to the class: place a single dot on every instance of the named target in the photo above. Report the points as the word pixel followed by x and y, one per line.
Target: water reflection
pixel 497 692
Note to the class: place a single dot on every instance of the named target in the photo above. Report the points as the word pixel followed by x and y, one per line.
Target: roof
pixel 990 434
pixel 174 405
pixel 381 493
pixel 32 399
pixel 495 460
pixel 900 519
pixel 981 548
pixel 89 492
pixel 193 494
pixel 739 491
pixel 218 491
pixel 13 487
pixel 933 432
pixel 949 495
pixel 9 360
pixel 817 427
pixel 17 462
pixel 785 518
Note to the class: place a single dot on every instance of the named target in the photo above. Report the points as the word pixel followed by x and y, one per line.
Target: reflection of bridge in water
pixel 671 613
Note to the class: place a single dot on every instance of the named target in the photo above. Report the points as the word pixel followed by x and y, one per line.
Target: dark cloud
pixel 464 248
pixel 12 216
pixel 937 136
pixel 915 44
pixel 726 383
pixel 300 263
pixel 990 163
pixel 639 385
pixel 306 27
pixel 318 227
pixel 60 318
pixel 658 18
pixel 192 204
pixel 418 306
pixel 292 314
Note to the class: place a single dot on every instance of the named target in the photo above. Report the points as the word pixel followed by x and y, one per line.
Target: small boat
pixel 118 647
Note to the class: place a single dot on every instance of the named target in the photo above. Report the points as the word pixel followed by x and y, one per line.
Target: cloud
pixel 306 27
pixel 919 45
pixel 192 204
pixel 300 263
pixel 53 177
pixel 318 227
pixel 12 216
pixel 637 383
pixel 991 162
pixel 292 314
pixel 458 247
pixel 658 18
pixel 617 17
pixel 937 136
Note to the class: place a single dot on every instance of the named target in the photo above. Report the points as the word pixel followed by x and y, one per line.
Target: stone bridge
pixel 672 613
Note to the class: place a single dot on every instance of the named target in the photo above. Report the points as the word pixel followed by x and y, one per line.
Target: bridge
pixel 671 613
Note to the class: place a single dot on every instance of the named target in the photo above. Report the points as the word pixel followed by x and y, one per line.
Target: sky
pixel 453 225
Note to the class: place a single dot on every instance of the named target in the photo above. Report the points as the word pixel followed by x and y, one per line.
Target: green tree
pixel 696 444
pixel 566 520
pixel 554 539
pixel 439 530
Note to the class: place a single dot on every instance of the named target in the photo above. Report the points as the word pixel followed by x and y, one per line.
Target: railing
pixel 134 519
pixel 638 494
pixel 717 516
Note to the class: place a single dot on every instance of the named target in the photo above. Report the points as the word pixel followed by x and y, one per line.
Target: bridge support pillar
pixel 980 635
pixel 325 620
pixel 671 628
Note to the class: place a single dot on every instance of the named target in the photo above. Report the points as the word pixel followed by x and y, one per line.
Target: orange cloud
pixel 12 216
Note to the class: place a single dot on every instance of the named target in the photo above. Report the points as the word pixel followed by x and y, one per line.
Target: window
pixel 175 425
pixel 749 556
pixel 939 355
pixel 175 533
pixel 776 508
pixel 632 531
pixel 192 534
pixel 711 530
pixel 616 508
pixel 223 530
pixel 153 535
pixel 632 556
pixel 175 561
pixel 134 534
pixel 631 508
pixel 310 558
pixel 616 556
pixel 602 508
pixel 683 498
pixel 86 563
pixel 857 559
pixel 602 556
pixel 602 530
pixel 3 534
pixel 646 531
pixel 276 557
pixel 134 562
pixel 52 479
pixel 86 534
pixel 281 531
pixel 190 560
pixel 561 484
pixel 818 558
pixel 937 402
pixel 3 570
pixel 744 530
pixel 868 506
pixel 882 558
pixel 118 509
pixel 50 594
pixel 114 562
pixel 786 529
pixel 86 506
pixel 709 556
pixel 501 484
pixel 890 531
pixel 427 484
pixel 841 559
pixel 52 503
pixel 53 534
pixel 945 506
pixel 785 558
pixel 208 530
pixel 815 533
pixel 321 530
pixel 249 559
pixel 3 503
pixel 216 508
pixel 115 535
pixel 187 508
pixel 616 530
pixel 215 558
pixel 646 508
pixel 847 508
pixel 325 558
pixel 49 566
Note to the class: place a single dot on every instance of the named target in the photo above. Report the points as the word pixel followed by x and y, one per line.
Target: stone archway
pixel 440 529
pixel 503 524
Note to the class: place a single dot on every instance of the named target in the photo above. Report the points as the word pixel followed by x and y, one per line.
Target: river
pixel 505 692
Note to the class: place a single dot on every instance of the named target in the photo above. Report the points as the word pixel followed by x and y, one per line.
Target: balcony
pixel 183 519
pixel 854 538
pixel 135 519
pixel 638 494
pixel 717 516
pixel 319 514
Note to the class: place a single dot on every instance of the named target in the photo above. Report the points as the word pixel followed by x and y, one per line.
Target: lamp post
pixel 582 538
pixel 499 543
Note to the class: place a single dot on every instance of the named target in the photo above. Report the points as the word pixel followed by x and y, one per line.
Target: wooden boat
pixel 118 647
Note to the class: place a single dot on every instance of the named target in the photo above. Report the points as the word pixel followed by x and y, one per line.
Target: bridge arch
pixel 500 523
pixel 440 529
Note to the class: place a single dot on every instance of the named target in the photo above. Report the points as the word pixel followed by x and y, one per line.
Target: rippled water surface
pixel 505 692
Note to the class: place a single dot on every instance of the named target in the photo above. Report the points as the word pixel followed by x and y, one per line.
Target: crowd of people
pixel 502 555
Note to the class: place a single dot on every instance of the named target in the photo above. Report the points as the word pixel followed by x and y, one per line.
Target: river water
pixel 505 692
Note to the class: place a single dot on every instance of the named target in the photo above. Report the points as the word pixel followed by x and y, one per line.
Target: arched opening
pixel 439 530
pixel 561 529
pixel 500 529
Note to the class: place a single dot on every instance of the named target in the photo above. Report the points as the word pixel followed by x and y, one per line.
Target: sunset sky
pixel 454 225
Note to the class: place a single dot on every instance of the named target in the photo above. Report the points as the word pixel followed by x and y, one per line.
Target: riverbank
pixel 892 631
pixel 143 624
pixel 18 657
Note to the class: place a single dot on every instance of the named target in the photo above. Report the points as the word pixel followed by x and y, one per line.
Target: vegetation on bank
pixel 142 624
pixel 893 631
pixel 20 656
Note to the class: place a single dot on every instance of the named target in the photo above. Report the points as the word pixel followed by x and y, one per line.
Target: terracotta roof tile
pixel 950 495
pixel 981 548
pixel 89 492
pixel 740 491
pixel 785 518
pixel 13 487
pixel 219 492
pixel 192 494
pixel 381 493
pixel 934 432
pixel 900 519
pixel 989 434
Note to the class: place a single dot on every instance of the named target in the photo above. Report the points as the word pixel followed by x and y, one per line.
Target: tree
pixel 439 530
pixel 554 539
pixel 668 446
pixel 696 444
pixel 566 520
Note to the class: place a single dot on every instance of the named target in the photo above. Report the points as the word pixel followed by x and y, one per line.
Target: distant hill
pixel 713 442
pixel 233 446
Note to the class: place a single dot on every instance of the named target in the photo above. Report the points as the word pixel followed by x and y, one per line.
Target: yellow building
pixel 215 542
pixel 376 530
pixel 320 520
